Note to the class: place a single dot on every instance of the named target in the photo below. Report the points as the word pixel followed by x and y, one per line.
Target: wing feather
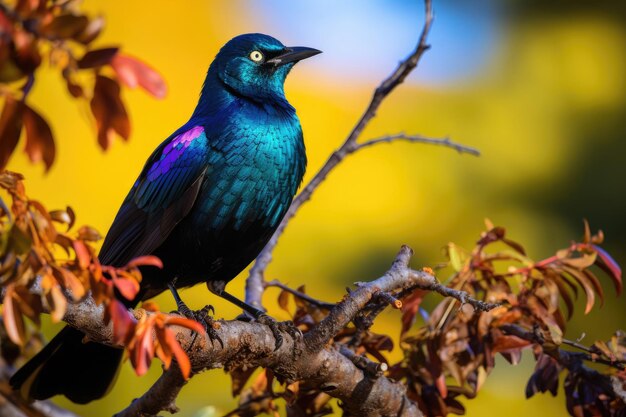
pixel 162 196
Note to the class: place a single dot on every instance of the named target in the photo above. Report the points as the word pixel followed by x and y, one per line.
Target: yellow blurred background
pixel 539 87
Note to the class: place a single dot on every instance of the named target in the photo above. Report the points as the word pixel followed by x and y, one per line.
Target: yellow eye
pixel 256 56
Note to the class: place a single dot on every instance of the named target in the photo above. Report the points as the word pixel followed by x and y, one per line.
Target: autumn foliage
pixel 451 353
pixel 47 263
pixel 35 31
pixel 44 268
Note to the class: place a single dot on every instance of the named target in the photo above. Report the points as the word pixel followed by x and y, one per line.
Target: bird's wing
pixel 161 197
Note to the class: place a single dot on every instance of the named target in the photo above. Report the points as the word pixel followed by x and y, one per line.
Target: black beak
pixel 293 54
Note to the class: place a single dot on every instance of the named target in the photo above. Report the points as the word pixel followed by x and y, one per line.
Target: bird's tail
pixel 81 371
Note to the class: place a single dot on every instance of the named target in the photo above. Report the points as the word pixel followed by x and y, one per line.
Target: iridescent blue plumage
pixel 206 202
pixel 211 195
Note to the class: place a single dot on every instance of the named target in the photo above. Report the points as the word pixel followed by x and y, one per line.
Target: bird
pixel 206 202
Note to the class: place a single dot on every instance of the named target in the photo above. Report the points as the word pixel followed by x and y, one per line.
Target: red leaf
pixel 133 72
pixel 440 383
pixel 147 260
pixel 97 58
pixel 39 139
pixel 127 287
pixel 506 343
pixel 608 264
pixel 123 322
pixel 109 111
pixel 10 128
pixel 410 306
pixel 82 254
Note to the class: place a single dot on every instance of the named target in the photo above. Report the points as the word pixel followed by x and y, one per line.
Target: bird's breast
pixel 255 170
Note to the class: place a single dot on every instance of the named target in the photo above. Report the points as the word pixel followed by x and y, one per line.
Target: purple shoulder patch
pixel 173 151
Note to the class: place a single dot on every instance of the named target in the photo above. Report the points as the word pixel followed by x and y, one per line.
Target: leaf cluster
pixel 43 268
pixel 35 31
pixel 452 354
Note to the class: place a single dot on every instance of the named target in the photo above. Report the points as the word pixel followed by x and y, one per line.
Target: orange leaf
pixel 60 216
pixel 82 254
pixel 10 128
pixel 89 234
pixel 70 281
pixel 163 350
pixel 188 323
pixel 179 354
pixel 133 72
pixel 39 141
pixel 140 359
pixel 283 300
pixel 57 303
pixel 586 285
pixel 13 321
pixel 147 260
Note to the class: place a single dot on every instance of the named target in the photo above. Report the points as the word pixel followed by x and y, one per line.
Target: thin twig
pixel 372 369
pixel 254 282
pixel 299 294
pixel 588 355
pixel 446 142
pixel 461 296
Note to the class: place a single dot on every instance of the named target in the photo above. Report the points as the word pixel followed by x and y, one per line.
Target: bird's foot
pixel 280 327
pixel 205 318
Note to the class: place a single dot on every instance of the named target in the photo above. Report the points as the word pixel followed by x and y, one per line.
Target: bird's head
pixel 256 65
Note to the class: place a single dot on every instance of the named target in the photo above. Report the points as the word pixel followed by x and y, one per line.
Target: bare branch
pixel 160 397
pixel 254 282
pixel 461 296
pixel 560 355
pixel 299 294
pixel 446 142
pixel 372 369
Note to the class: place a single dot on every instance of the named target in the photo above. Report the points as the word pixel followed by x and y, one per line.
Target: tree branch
pixel 560 355
pixel 255 281
pixel 311 358
pixel 160 397
pixel 445 142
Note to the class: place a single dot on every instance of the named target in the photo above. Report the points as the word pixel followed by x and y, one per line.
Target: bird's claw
pixel 278 328
pixel 204 317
